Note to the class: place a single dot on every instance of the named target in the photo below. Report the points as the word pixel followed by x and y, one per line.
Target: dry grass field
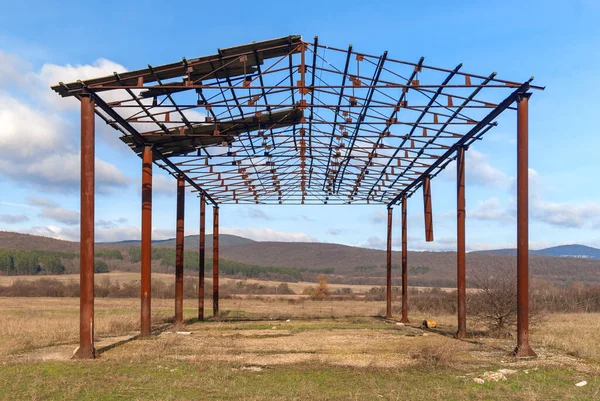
pixel 276 349
pixel 126 277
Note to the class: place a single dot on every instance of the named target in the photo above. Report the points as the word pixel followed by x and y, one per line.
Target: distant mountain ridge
pixel 562 251
pixel 364 265
pixel 189 241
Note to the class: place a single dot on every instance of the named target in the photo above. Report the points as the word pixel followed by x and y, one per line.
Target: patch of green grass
pixel 155 379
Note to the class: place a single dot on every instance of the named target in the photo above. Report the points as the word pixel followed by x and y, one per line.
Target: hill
pixel 425 268
pixel 350 264
pixel 190 241
pixel 27 242
pixel 564 251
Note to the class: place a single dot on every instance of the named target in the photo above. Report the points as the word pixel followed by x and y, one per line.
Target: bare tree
pixel 495 302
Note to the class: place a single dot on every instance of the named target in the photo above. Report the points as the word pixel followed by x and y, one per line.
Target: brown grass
pixel 129 277
pixel 576 333
pixel 342 353
pixel 30 323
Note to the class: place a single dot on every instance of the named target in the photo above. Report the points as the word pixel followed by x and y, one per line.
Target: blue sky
pixel 556 41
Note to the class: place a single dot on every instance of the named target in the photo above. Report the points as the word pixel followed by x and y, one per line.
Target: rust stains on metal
pixel 460 244
pixel 201 258
pixel 388 293
pixel 523 348
pixel 404 262
pixel 179 254
pixel 428 211
pixel 215 261
pixel 86 348
pixel 234 123
pixel 146 259
pixel 232 126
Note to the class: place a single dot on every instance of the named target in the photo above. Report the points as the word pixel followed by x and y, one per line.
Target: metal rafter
pixel 369 136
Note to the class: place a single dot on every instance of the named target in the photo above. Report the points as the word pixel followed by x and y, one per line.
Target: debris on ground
pixel 497 376
pixel 399 324
pixel 252 368
pixel 493 376
pixel 428 324
pixel 507 372
pixel 185 333
pixel 581 383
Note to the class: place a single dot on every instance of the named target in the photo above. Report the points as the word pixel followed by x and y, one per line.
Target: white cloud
pixel 39 146
pixel 112 233
pixel 163 233
pixel 26 132
pixel 573 214
pixel 480 172
pixel 163 185
pixel 61 215
pixel 268 234
pixel 68 234
pixel 258 214
pixel 118 233
pixel 52 74
pixel 567 214
pixel 375 242
pixel 13 219
pixel 490 209
pixel 42 202
pixel 379 217
pixel 11 68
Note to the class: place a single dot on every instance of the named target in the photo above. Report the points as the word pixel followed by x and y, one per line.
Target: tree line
pixel 191 262
pixel 25 263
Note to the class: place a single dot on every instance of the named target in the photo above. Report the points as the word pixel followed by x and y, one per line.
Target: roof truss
pixel 286 121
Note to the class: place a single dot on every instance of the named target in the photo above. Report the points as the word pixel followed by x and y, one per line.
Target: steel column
pixel 404 263
pixel 523 349
pixel 146 272
pixel 86 348
pixel 460 243
pixel 179 251
pixel 428 212
pixel 201 258
pixel 215 261
pixel 388 296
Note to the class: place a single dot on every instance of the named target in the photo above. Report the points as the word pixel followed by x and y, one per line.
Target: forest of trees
pixel 25 263
pixel 226 267
pixel 17 263
pixel 13 263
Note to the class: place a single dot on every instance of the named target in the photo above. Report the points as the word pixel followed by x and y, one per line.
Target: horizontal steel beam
pixel 158 155
pixel 463 141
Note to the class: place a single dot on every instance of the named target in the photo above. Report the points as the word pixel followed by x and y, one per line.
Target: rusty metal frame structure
pixel 286 121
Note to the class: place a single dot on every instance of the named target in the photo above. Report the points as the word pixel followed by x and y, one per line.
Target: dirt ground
pixel 274 349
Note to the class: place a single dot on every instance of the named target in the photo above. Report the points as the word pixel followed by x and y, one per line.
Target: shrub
pixel 100 266
pixel 322 290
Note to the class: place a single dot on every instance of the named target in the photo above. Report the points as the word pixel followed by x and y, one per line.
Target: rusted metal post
pixel 146 272
pixel 404 263
pixel 460 243
pixel 86 348
pixel 179 251
pixel 388 295
pixel 523 349
pixel 428 212
pixel 201 258
pixel 215 261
